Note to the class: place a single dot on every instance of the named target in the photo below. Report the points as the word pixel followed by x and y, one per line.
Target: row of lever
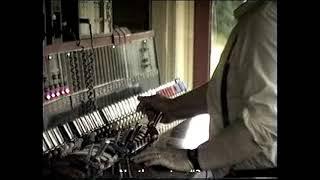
pixel 102 122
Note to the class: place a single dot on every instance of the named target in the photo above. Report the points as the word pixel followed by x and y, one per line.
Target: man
pixel 241 98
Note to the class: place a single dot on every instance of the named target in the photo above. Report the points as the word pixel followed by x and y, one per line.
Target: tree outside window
pixel 222 23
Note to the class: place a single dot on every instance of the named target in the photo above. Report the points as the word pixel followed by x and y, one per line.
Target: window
pixel 222 23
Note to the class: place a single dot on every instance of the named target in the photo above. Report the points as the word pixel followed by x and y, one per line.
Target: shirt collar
pixel 246 7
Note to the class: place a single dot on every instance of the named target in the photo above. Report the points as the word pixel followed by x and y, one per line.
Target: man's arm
pixel 191 103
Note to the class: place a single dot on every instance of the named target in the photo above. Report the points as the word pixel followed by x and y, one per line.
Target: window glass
pixel 222 23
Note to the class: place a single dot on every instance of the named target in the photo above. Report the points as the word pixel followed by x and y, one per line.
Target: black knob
pixel 55 152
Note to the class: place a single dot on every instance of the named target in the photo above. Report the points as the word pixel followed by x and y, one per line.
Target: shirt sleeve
pixel 255 130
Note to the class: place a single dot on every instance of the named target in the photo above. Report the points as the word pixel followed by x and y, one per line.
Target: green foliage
pixel 224 16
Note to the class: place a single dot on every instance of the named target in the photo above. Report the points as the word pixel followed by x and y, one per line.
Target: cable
pixel 89 79
pixel 90 104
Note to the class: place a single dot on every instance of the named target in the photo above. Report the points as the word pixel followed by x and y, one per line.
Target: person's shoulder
pixel 264 15
pixel 251 8
pixel 268 8
pixel 259 27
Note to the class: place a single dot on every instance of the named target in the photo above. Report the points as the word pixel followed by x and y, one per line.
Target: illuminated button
pixel 67 90
pixel 48 97
pixel 63 92
pixel 53 95
pixel 58 94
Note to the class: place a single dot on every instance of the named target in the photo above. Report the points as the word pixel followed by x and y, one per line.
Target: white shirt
pixel 251 81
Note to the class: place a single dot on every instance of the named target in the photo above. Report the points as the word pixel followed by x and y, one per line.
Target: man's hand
pixel 151 105
pixel 175 159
